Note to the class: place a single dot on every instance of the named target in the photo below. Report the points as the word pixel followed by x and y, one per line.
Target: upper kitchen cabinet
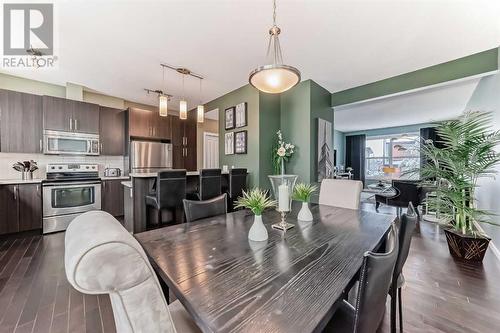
pixel 60 114
pixel 20 111
pixel 112 131
pixel 149 124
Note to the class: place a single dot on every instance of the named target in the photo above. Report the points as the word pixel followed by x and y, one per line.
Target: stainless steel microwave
pixel 59 142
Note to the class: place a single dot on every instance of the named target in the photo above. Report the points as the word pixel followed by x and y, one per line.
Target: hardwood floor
pixel 441 294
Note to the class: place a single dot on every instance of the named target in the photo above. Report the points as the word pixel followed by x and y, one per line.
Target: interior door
pixel 210 150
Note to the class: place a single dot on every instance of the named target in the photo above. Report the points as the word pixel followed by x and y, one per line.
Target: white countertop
pixel 127 183
pixel 20 181
pixel 154 174
pixel 115 178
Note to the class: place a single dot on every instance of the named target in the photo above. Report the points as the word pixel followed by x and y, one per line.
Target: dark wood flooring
pixel 441 294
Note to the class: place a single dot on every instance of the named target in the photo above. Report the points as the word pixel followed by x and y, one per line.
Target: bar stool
pixel 237 184
pixel 170 191
pixel 209 185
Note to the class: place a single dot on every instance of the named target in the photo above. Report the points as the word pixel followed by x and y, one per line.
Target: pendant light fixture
pixel 275 77
pixel 183 103
pixel 201 108
pixel 163 99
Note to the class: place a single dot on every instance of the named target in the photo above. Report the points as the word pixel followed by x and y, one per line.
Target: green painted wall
pixel 391 130
pixel 269 123
pixel 478 63
pixel 295 125
pixel 320 108
pixel 250 160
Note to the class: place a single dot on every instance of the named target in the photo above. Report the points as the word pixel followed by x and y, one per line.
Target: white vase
pixel 258 231
pixel 305 213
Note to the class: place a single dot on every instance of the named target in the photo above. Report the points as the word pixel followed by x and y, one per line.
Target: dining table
pixel 292 282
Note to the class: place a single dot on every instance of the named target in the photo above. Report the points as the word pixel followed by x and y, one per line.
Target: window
pixel 389 157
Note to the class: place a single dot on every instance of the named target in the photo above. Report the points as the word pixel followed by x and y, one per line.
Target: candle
pixel 283 198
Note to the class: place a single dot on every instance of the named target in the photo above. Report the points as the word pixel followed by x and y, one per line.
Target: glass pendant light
pixel 201 108
pixel 276 77
pixel 163 99
pixel 183 104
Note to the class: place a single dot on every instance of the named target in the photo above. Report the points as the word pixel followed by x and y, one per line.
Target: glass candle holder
pixel 283 186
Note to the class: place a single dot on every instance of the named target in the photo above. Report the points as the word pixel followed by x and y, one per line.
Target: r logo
pixel 26 26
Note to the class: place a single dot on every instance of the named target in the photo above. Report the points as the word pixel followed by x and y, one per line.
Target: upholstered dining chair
pixel 407 226
pixel 101 257
pixel 366 314
pixel 197 210
pixel 340 193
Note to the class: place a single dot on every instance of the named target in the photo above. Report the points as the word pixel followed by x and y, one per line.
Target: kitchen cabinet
pixel 20 111
pixel 112 197
pixel 149 124
pixel 20 208
pixel 60 114
pixel 112 131
pixel 184 142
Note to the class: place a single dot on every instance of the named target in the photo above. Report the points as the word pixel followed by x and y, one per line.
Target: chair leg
pixel 377 205
pixel 159 217
pixel 393 309
pixel 400 304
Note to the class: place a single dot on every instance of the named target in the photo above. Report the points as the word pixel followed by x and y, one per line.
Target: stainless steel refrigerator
pixel 150 156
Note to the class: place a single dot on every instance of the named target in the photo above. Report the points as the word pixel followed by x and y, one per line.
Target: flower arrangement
pixel 256 200
pixel 302 192
pixel 282 152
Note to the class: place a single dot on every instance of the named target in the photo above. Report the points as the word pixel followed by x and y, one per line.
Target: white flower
pixel 292 146
pixel 281 152
pixel 287 146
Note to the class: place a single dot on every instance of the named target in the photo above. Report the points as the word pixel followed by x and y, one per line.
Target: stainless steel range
pixel 68 191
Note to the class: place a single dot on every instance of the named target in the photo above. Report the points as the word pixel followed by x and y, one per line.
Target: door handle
pixel 15 192
pixel 70 124
pixel 101 148
pixel 41 146
pixel 76 124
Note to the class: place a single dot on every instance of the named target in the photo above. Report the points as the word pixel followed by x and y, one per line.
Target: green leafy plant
pixel 303 192
pixel 467 155
pixel 256 200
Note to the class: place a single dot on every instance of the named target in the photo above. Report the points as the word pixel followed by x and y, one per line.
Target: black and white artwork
pixel 229 143
pixel 241 115
pixel 240 146
pixel 325 151
pixel 229 118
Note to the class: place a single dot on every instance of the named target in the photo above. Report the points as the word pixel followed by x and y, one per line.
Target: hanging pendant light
pixel 201 108
pixel 163 99
pixel 183 104
pixel 276 77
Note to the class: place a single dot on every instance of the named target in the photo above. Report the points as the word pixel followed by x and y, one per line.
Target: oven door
pixel 71 198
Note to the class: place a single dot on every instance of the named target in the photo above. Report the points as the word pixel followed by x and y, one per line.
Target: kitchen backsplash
pixel 8 159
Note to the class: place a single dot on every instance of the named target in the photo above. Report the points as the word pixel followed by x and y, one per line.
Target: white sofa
pixel 101 257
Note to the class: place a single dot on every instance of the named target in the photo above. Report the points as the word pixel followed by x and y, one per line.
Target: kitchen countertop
pixel 127 183
pixel 117 178
pixel 154 174
pixel 20 181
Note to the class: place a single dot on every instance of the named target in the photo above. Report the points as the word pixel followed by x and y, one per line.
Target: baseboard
pixel 492 246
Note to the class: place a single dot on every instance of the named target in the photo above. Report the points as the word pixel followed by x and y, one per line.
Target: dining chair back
pixel 197 210
pixel 237 184
pixel 210 183
pixel 102 257
pixel 340 193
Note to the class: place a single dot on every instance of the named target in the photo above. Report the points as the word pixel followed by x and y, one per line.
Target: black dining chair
pixel 170 191
pixel 407 226
pixel 406 191
pixel 237 184
pixel 209 185
pixel 197 210
pixel 376 272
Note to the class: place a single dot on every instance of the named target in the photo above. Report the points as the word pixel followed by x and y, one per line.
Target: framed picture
pixel 325 160
pixel 229 118
pixel 240 145
pixel 229 143
pixel 241 115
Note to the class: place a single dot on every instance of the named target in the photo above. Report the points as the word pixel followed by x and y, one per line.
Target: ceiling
pixel 115 47
pixel 424 106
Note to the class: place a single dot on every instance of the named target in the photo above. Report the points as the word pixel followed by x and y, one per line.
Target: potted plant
pixel 257 201
pixel 302 192
pixel 281 153
pixel 467 154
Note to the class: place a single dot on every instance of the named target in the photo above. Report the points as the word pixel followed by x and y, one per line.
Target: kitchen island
pixel 141 185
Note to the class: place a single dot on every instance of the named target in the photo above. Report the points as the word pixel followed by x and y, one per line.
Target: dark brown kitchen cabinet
pixel 149 124
pixel 20 208
pixel 112 197
pixel 20 111
pixel 184 142
pixel 30 207
pixel 112 131
pixel 60 114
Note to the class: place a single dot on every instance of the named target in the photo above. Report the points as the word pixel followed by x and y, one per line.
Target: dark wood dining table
pixel 290 283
